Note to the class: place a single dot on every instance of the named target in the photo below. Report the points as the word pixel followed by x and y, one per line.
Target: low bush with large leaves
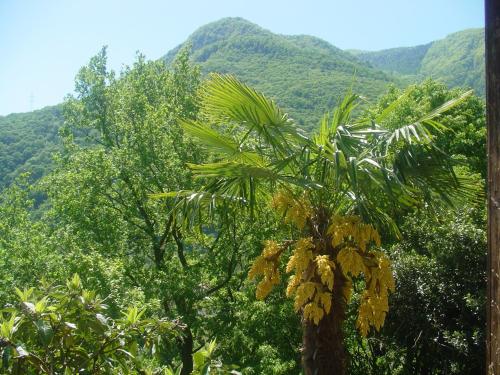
pixel 65 330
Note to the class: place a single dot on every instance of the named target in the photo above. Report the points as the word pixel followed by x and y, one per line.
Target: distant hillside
pixel 306 75
pixel 457 59
pixel 404 60
pixel 27 141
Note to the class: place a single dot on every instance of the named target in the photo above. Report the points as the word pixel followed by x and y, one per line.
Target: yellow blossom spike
pixel 263 289
pixel 258 266
pixel 350 261
pixel 326 301
pixel 350 229
pixel 266 265
pixel 293 283
pixel 302 256
pixel 271 249
pixel 305 292
pixel 296 210
pixel 325 269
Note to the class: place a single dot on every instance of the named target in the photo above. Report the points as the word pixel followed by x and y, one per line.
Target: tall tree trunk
pixel 185 342
pixel 187 352
pixel 323 351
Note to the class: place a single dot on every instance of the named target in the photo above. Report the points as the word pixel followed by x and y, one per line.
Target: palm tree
pixel 342 189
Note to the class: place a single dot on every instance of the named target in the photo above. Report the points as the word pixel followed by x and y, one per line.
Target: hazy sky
pixel 43 43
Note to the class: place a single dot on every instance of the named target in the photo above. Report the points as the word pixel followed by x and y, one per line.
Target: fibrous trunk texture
pixel 323 351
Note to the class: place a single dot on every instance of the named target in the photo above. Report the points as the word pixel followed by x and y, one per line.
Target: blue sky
pixel 44 43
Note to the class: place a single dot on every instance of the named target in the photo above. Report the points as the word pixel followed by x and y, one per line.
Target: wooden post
pixel 492 34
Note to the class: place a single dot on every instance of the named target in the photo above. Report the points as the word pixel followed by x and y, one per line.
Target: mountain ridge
pixel 457 59
pixel 304 74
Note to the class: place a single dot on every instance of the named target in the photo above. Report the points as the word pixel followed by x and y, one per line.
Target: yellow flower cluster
pixel 351 261
pixel 325 268
pixel 374 302
pixel 353 237
pixel 266 265
pixel 299 262
pixel 314 300
pixel 345 229
pixel 296 210
pixel 372 312
pixel 313 279
pixel 313 297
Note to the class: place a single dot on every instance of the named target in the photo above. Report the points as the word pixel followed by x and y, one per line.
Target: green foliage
pixel 265 337
pixel 304 74
pixel 27 142
pixel 465 138
pixel 440 272
pixel 66 330
pixel 205 363
pixel 437 320
pixel 457 60
pixel 123 143
pixel 24 255
pixel 403 60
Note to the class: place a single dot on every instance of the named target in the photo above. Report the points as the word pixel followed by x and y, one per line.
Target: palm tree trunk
pixel 323 350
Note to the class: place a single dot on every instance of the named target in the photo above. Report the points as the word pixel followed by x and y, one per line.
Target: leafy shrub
pixel 65 330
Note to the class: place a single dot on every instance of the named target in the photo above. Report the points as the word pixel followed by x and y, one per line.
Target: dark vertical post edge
pixel 492 51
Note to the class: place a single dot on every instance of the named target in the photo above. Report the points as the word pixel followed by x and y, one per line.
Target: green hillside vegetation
pixel 27 141
pixel 184 260
pixel 306 75
pixel 457 59
pixel 404 60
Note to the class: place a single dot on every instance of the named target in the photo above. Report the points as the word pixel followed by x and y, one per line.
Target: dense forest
pixel 307 214
pixel 458 60
pixel 27 142
pixel 304 74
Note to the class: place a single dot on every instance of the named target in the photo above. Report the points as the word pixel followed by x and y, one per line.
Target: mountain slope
pixel 305 75
pixel 457 59
pixel 404 60
pixel 27 141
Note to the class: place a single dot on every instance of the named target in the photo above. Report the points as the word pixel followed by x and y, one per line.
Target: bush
pixel 65 330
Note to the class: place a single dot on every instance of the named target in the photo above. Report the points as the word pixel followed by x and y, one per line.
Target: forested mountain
pixel 457 59
pixel 305 74
pixel 401 60
pixel 27 141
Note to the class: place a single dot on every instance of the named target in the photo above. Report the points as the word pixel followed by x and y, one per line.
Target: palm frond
pixel 446 106
pixel 219 143
pixel 226 99
pixel 194 207
pixel 233 169
pixel 424 129
pixel 209 137
pixel 341 116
